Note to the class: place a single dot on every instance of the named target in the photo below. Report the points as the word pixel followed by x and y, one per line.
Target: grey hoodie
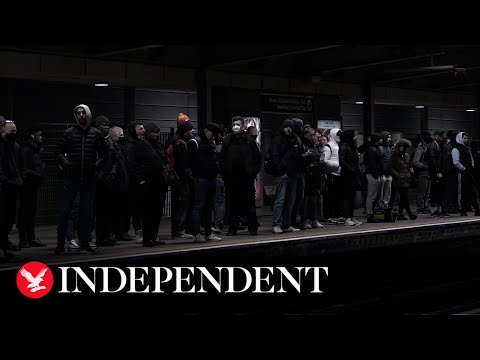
pixel 88 117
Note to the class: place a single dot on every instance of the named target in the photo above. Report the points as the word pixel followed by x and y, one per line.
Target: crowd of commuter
pixel 114 179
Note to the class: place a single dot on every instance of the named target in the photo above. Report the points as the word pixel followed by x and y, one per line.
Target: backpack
pixel 169 173
pixel 169 152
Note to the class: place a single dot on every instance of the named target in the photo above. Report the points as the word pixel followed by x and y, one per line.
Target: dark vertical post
pixel 368 110
pixel 424 120
pixel 129 105
pixel 201 79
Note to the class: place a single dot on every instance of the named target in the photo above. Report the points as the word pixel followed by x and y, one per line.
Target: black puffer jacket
pixel 81 149
pixel 33 167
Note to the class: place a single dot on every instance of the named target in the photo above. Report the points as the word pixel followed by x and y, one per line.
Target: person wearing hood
pixel 333 201
pixel 80 152
pixel 33 173
pixel 10 182
pixel 463 161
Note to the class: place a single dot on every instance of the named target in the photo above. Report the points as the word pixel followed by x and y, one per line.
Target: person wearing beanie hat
pixel 33 174
pixel 10 183
pixel 176 150
pixel 182 118
pixel 101 120
pixel 151 127
pixel 213 128
pixel 286 162
pixel 287 123
pixel 102 123
pixel 184 127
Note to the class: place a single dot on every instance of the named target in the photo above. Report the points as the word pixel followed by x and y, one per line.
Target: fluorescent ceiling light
pixel 360 102
pixel 419 106
pixel 101 84
pixel 470 110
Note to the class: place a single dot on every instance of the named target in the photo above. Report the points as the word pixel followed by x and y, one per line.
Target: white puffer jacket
pixel 333 162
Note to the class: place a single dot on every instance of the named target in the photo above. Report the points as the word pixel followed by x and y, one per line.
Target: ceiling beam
pixel 123 51
pixel 288 53
pixel 413 77
pixel 423 75
pixel 459 85
pixel 381 62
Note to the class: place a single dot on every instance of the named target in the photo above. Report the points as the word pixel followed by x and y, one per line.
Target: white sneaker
pixel 277 230
pixel 291 229
pixel 316 224
pixel 72 245
pixel 306 224
pixel 357 222
pixel 185 236
pixel 139 237
pixel 199 238
pixel 216 230
pixel 213 237
pixel 349 223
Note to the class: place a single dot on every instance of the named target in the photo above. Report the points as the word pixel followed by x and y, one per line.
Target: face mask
pixel 121 141
pixel 11 137
pixel 236 129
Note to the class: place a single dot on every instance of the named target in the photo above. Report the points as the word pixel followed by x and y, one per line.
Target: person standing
pixel 402 172
pixel 203 163
pixel 463 161
pixel 33 172
pixel 79 153
pixel 10 181
pixel 240 162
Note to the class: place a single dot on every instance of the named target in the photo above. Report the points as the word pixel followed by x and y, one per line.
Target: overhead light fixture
pixel 470 109
pixel 101 84
pixel 359 102
pixel 419 106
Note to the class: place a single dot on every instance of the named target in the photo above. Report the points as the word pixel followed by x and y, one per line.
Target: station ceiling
pixel 445 68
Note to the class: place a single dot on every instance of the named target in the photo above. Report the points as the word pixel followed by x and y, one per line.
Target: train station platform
pixel 410 266
pixel 330 239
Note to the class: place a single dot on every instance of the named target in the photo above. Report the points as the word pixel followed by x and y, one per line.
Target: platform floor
pixel 329 233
